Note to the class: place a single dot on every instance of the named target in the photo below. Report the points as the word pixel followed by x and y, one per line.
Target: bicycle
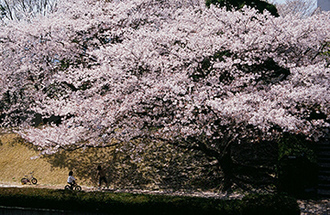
pixel 30 179
pixel 72 187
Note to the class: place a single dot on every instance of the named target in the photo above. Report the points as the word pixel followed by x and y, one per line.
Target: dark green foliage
pixel 255 164
pixel 2 11
pixel 125 203
pixel 238 4
pixel 297 165
pixel 295 145
pixel 326 52
pixel 270 72
pixel 270 205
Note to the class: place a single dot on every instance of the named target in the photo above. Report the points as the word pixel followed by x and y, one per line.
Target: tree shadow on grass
pixel 82 162
pixel 157 166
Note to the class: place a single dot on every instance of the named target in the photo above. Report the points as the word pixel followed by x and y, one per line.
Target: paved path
pixel 314 207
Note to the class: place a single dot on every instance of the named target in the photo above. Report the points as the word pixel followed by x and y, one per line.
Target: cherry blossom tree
pixel 181 73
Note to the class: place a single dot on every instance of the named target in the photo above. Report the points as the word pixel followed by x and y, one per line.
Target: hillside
pixel 16 160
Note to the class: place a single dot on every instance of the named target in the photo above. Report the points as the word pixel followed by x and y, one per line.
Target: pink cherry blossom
pixel 172 71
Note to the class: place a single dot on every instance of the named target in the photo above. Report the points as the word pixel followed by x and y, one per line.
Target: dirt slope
pixel 16 160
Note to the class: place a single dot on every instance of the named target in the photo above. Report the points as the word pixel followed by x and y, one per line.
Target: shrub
pixel 297 165
pixel 270 205
pixel 126 203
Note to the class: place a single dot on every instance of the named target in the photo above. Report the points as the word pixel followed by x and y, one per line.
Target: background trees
pixel 200 79
pixel 300 8
pixel 25 9
pixel 259 5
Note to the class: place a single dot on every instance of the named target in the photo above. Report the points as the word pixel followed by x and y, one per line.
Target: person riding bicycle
pixel 71 179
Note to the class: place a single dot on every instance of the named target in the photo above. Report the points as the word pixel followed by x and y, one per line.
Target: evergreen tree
pixel 238 4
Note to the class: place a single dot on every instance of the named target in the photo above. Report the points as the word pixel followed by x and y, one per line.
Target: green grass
pixel 125 203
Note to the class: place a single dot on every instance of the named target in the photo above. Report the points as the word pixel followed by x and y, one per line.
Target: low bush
pixel 270 204
pixel 297 167
pixel 126 203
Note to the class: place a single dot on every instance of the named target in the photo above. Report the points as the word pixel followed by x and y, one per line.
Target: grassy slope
pixel 15 162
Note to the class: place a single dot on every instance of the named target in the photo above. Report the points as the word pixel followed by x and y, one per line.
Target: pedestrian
pixel 101 175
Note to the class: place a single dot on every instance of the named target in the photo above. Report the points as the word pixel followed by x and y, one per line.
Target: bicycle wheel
pixel 34 181
pixel 24 180
pixel 67 187
pixel 77 188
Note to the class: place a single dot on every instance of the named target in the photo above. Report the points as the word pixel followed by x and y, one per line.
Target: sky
pixel 279 1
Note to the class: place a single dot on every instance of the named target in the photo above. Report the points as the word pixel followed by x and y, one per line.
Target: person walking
pixel 102 176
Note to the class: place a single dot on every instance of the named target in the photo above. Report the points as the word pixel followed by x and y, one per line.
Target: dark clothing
pixel 101 174
pixel 103 179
